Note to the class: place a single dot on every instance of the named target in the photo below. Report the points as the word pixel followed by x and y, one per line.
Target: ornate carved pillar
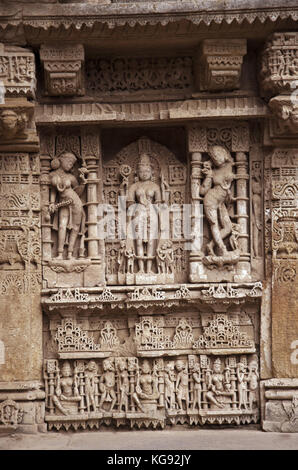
pixel 195 148
pixel 243 267
pixel 279 77
pixel 20 256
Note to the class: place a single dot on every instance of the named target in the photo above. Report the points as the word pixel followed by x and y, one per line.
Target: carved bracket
pixel 219 65
pixel 17 128
pixel 279 64
pixel 63 69
pixel 17 71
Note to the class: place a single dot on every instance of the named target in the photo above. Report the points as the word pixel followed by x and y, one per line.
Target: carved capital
pixel 279 64
pixel 285 111
pixel 63 69
pixel 220 63
pixel 17 72
pixel 17 128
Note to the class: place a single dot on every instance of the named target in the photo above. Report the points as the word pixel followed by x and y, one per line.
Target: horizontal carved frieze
pixel 136 297
pixel 147 13
pixel 151 392
pixel 246 107
pixel 127 75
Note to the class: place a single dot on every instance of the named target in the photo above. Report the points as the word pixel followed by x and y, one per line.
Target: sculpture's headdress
pixel 216 151
pixel 144 160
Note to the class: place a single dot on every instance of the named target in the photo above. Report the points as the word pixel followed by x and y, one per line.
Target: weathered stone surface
pixel 280 414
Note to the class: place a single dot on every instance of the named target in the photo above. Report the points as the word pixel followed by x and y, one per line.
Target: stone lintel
pixel 246 107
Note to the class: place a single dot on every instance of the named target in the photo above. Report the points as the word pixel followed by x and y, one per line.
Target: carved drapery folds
pixel 219 64
pixel 63 69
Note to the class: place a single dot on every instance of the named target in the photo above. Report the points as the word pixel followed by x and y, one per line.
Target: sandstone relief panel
pixel 20 247
pixel 70 192
pixel 150 371
pixel 146 185
pixel 220 183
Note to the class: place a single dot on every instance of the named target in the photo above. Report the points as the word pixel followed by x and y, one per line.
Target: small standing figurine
pixel 91 382
pixel 196 375
pixel 130 256
pixel 121 257
pixel 182 385
pixel 123 385
pixel 161 258
pixel 256 187
pixel 253 379
pixel 145 196
pixel 170 379
pixel 107 384
pixel 242 386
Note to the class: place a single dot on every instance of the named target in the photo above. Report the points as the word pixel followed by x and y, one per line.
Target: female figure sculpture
pixel 216 189
pixel 67 390
pixel 71 216
pixel 123 385
pixel 146 386
pixel 91 382
pixel 145 194
pixel 218 387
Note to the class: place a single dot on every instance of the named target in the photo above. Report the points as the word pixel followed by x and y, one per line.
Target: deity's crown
pixel 217 361
pixel 66 366
pixel 144 160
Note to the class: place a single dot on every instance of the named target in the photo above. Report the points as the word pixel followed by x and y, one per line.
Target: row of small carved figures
pixel 171 386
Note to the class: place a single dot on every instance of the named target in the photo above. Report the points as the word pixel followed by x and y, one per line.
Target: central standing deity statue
pixel 145 228
pixel 145 186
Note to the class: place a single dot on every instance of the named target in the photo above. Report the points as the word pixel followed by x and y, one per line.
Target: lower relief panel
pixel 194 369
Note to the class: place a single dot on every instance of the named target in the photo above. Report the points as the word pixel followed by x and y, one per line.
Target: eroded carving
pixel 11 414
